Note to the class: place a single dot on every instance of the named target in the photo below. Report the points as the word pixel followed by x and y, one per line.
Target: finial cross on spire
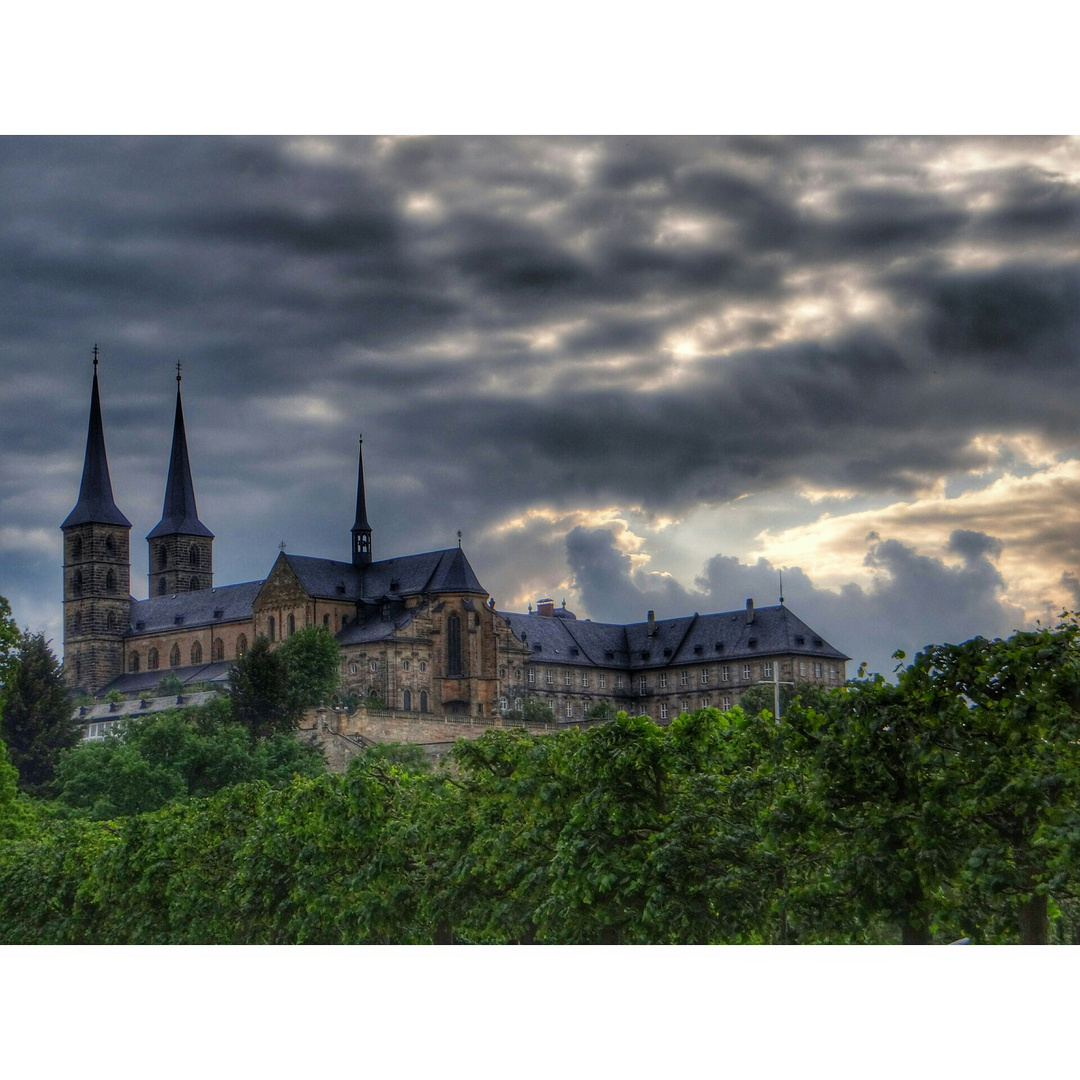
pixel 459 538
pixel 177 370
pixel 95 355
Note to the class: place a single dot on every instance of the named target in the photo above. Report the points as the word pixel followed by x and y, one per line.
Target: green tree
pixel 601 710
pixel 177 754
pixel 313 659
pixel 36 722
pixel 755 699
pixel 260 693
pixel 16 817
pixel 1010 710
pixel 9 645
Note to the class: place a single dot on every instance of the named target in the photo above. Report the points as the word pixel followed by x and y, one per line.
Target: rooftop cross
pixel 177 370
pixel 95 355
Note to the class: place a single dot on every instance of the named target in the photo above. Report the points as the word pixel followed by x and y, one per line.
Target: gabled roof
pixel 96 502
pixel 408 575
pixel 178 514
pixel 227 603
pixel 690 639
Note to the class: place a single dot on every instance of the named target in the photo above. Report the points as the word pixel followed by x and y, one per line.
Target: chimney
pixel 749 610
pixel 545 607
pixel 652 622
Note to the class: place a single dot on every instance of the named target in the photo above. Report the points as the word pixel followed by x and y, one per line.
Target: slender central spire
pixel 96 502
pixel 178 514
pixel 361 530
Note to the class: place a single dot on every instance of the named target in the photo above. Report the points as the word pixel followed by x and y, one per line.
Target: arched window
pixel 174 656
pixel 110 581
pixel 76 548
pixel 241 645
pixel 152 660
pixel 193 555
pixel 217 651
pixel 270 628
pixel 78 622
pixel 110 621
pixel 133 662
pixel 110 547
pixel 161 586
pixel 78 669
pixel 453 646
pixel 292 624
pixel 406 701
pixel 326 621
pixel 76 583
pixel 404 665
pixel 196 652
pixel 162 557
pixel 423 701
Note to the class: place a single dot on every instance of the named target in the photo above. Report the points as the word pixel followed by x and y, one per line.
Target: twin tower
pixel 97 554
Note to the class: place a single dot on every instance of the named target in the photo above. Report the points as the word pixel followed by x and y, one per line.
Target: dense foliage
pixel 177 754
pixel 943 806
pixel 270 688
pixel 35 714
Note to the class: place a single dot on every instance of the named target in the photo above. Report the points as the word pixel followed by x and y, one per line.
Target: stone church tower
pixel 181 546
pixel 97 568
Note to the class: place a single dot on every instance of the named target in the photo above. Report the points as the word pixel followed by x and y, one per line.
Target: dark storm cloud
pixel 915 601
pixel 502 318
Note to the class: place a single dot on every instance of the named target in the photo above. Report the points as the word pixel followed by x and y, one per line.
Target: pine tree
pixel 36 722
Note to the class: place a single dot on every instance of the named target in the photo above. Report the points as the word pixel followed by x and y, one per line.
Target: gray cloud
pixel 497 317
pixel 915 600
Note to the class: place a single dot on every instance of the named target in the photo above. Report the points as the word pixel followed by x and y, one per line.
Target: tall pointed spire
pixel 96 502
pixel 178 514
pixel 181 546
pixel 361 530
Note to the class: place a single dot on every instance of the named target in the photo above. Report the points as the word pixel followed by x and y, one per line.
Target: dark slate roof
pixel 147 680
pixel 198 608
pixel 372 626
pixel 89 714
pixel 689 639
pixel 325 578
pixel 95 492
pixel 178 514
pixel 409 575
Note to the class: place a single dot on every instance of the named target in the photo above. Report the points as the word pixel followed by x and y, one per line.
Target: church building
pixel 418 633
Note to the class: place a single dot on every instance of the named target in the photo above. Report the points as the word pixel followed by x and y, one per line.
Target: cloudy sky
pixel 634 372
